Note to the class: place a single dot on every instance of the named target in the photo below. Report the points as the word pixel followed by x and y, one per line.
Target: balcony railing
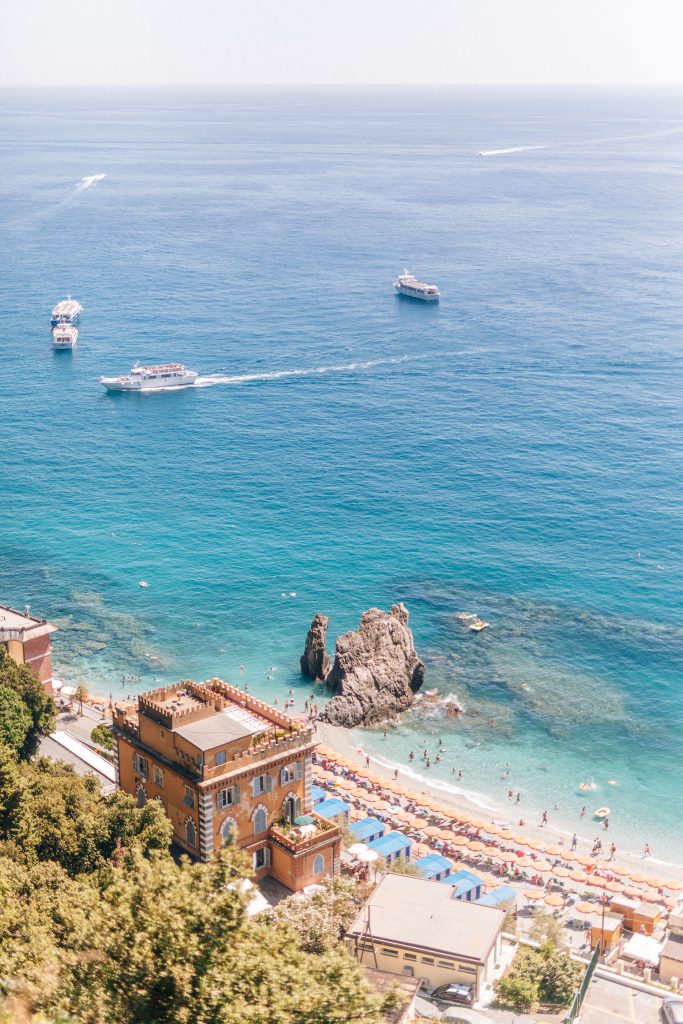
pixel 298 838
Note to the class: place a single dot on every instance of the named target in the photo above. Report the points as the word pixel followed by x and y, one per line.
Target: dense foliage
pixel 103 737
pixel 321 918
pixel 544 975
pixel 99 923
pixel 38 704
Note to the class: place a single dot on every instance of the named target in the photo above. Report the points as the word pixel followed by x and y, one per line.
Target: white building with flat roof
pixel 416 927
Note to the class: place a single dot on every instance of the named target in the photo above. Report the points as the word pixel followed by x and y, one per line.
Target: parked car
pixel 671 1011
pixel 454 993
pixel 580 924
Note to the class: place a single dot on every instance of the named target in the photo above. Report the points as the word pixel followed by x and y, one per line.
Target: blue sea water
pixel 514 451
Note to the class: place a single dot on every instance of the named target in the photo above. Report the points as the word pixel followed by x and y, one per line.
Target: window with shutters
pixel 227 797
pixel 319 865
pixel 188 797
pixel 260 820
pixel 158 776
pixel 190 832
pixel 140 765
pixel 261 858
pixel 220 757
pixel 261 784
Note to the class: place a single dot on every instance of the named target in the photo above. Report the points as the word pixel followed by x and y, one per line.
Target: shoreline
pixel 343 742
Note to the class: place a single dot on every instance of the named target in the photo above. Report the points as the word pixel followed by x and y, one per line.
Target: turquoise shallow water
pixel 515 450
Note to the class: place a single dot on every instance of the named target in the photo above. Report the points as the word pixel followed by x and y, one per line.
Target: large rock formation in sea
pixel 376 672
pixel 315 661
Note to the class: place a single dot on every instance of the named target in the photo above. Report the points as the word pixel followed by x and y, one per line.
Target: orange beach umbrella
pixel 554 900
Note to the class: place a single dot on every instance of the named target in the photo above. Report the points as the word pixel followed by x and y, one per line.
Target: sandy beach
pixel 346 744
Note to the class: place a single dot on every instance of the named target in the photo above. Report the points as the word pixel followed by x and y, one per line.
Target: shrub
pixel 103 737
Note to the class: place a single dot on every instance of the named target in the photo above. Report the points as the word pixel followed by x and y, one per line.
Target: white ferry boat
pixel 64 336
pixel 66 312
pixel 151 378
pixel 407 284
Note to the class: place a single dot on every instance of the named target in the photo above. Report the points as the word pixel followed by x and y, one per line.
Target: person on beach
pixel 612 851
pixel 385 735
pixel 518 798
pixel 506 773
pixel 511 793
pixel 605 823
pixel 428 763
pixel 575 840
pixel 460 776
pixel 583 811
pixel 367 761
pixel 411 756
pixel 647 852
pixel 438 758
pixel 395 773
pixel 544 819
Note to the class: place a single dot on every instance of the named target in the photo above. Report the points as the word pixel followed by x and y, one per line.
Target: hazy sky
pixel 76 42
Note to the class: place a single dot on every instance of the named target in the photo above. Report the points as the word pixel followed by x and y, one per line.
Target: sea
pixel 513 451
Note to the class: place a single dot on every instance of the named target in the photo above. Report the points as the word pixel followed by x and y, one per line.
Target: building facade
pixel 27 641
pixel 228 769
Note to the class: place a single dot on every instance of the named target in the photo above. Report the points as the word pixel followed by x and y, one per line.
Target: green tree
pixel 178 947
pixel 39 703
pixel 103 736
pixel 51 813
pixel 520 993
pixel 401 866
pixel 560 977
pixel 321 919
pixel 81 693
pixel 15 719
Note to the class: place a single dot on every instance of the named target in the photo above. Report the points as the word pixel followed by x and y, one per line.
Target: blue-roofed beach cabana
pixel 318 794
pixel 334 809
pixel 392 846
pixel 468 886
pixel 434 866
pixel 502 898
pixel 367 829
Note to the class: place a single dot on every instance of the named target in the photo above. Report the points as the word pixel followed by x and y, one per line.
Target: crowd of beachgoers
pixel 500 854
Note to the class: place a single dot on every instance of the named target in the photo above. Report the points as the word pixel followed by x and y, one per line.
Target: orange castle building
pixel 27 641
pixel 228 769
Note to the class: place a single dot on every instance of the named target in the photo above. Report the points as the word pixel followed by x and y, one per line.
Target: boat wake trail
pixel 89 181
pixel 512 149
pixel 211 379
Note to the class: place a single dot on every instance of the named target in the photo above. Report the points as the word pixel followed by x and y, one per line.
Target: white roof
pixel 643 947
pixel 422 914
pixel 16 625
pixel 88 756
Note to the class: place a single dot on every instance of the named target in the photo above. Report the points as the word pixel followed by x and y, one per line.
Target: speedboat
pixel 151 378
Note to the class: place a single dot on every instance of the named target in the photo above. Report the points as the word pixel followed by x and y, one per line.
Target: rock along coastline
pixel 376 671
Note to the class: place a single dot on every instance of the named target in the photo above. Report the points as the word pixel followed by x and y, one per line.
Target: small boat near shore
pixel 601 813
pixel 151 378
pixel 478 625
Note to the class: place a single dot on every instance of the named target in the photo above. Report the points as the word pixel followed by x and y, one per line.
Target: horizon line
pixel 342 85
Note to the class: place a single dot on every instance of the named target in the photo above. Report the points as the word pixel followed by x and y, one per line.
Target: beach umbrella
pixel 476 822
pixel 432 831
pixel 615 887
pixel 597 881
pixel 554 851
pixel 458 840
pixel 493 830
pixel 586 861
pixel 526 862
pixel 674 885
pixel 543 865
pixel 670 903
pixel 490 851
pixel 476 846
pixel 507 856
pixel 637 876
pixel 554 900
pixel 533 845
pixel 533 894
pixel 656 883
pixel 561 871
pixel 584 907
pixel 345 784
pixel 578 876
pixel 68 691
pixel 633 893
pixel 651 896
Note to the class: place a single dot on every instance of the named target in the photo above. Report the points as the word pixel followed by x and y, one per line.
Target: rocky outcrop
pixel 315 661
pixel 376 672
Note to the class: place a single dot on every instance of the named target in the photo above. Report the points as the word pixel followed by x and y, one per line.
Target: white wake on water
pixel 89 181
pixel 511 149
pixel 211 379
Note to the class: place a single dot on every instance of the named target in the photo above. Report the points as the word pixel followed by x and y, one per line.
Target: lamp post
pixel 604 900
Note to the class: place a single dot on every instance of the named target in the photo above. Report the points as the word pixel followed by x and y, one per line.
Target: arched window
pixel 260 820
pixel 319 865
pixel 190 832
pixel 229 831
pixel 142 796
